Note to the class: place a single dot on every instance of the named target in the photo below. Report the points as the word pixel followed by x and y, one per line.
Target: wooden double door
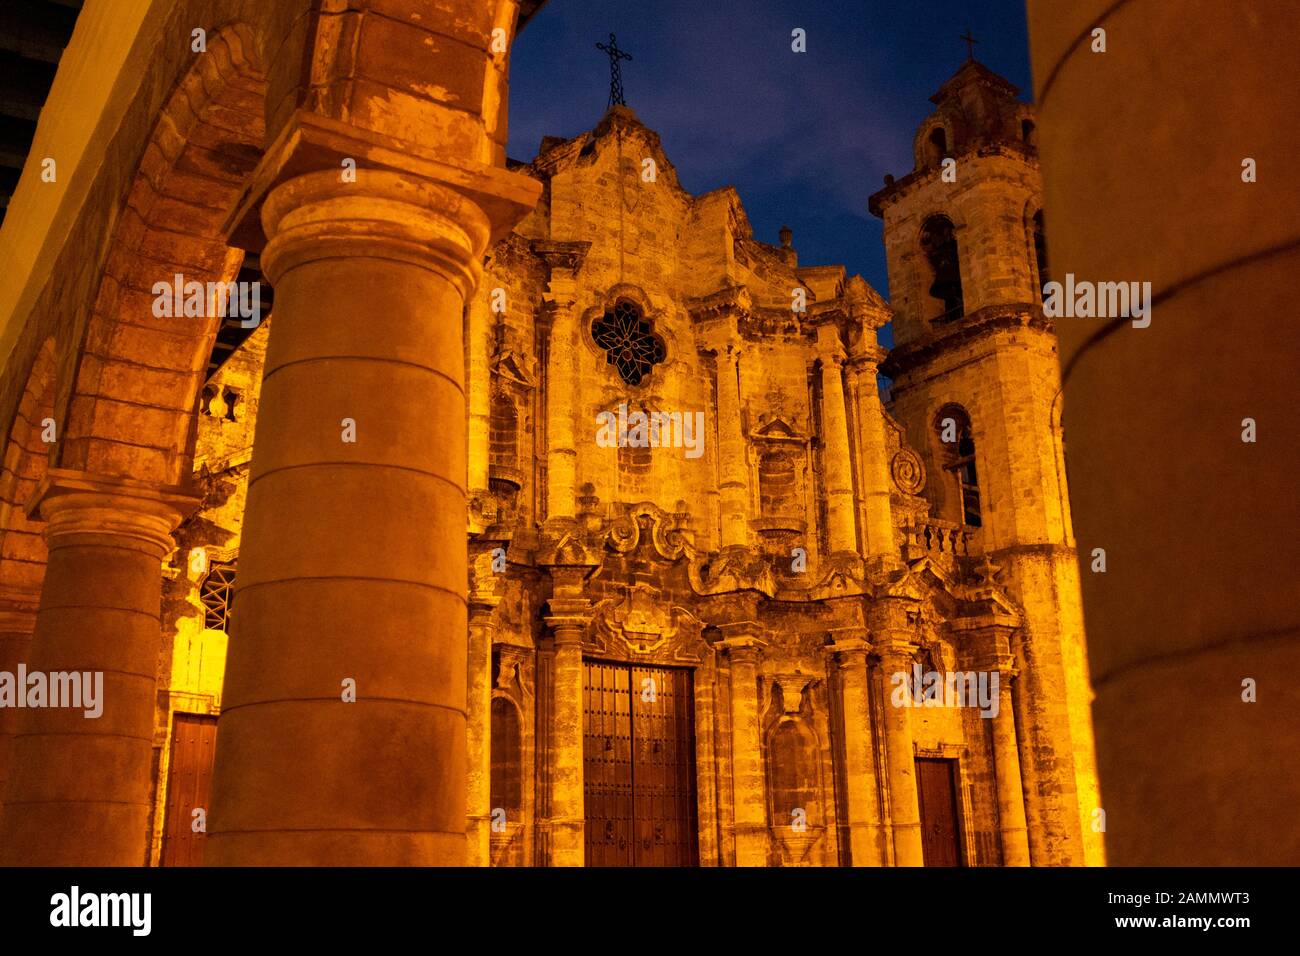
pixel 639 765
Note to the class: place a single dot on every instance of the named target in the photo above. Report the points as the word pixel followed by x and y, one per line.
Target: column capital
pixel 722 309
pixel 744 648
pixel 894 652
pixel 563 259
pixel 865 358
pixel 852 651
pixel 568 619
pixel 310 142
pixel 79 503
pixel 383 214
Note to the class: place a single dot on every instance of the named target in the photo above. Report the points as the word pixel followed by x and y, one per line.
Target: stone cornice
pixel 990 319
pixel 895 190
pixel 732 303
pixel 561 255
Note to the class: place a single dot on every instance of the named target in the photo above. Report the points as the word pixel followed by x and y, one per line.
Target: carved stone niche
pixel 780 454
pixel 796 790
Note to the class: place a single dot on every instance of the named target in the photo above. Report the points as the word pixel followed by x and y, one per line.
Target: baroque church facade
pixel 685 646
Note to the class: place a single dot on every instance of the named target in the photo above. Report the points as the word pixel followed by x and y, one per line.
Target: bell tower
pixel 976 385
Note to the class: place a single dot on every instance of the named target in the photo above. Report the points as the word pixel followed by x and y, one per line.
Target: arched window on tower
pixel 939 243
pixel 954 428
pixel 1040 252
pixel 937 147
pixel 1028 133
pixel 217 594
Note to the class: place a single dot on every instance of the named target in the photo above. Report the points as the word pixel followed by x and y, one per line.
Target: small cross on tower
pixel 970 44
pixel 615 72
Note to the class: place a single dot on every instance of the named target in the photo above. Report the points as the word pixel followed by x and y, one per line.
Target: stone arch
pixel 22 547
pixel 932 143
pixel 958 457
pixel 940 248
pixel 1036 246
pixel 26 456
pixel 137 374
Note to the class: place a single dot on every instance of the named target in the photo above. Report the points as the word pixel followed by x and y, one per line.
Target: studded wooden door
pixel 936 785
pixel 639 766
pixel 189 785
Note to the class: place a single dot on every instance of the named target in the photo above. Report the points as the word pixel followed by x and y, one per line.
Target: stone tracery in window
pixel 630 343
pixel 217 592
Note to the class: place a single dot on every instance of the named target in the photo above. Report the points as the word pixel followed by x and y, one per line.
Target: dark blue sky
pixel 804 138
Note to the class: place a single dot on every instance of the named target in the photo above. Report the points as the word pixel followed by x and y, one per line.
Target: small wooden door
pixel 639 766
pixel 189 786
pixel 936 784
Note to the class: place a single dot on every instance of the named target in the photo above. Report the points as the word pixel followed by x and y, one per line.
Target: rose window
pixel 629 342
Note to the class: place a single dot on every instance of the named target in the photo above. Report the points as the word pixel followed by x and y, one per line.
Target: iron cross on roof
pixel 970 44
pixel 615 72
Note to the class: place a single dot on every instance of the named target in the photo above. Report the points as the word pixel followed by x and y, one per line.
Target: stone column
pixel 837 463
pixel 1194 627
pixel 483 601
pixel 564 259
pixel 866 844
pixel 905 809
pixel 17 624
pixel 749 785
pixel 80 787
pixel 733 487
pixel 356 502
pixel 478 352
pixel 873 454
pixel 568 820
pixel 1006 766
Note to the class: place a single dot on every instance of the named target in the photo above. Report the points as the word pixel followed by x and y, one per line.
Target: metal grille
pixel 639 766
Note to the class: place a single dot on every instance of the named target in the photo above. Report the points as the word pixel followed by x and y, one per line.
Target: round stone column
pixel 840 519
pixel 1181 423
pixel 865 845
pixel 483 602
pixel 749 785
pixel 905 806
pixel 81 778
pixel 343 736
pixel 733 484
pixel 568 809
pixel 1006 766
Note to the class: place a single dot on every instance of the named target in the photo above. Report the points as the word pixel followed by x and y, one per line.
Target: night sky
pixel 804 138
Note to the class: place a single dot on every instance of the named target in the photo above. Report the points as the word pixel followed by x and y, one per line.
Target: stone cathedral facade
pixel 704 544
